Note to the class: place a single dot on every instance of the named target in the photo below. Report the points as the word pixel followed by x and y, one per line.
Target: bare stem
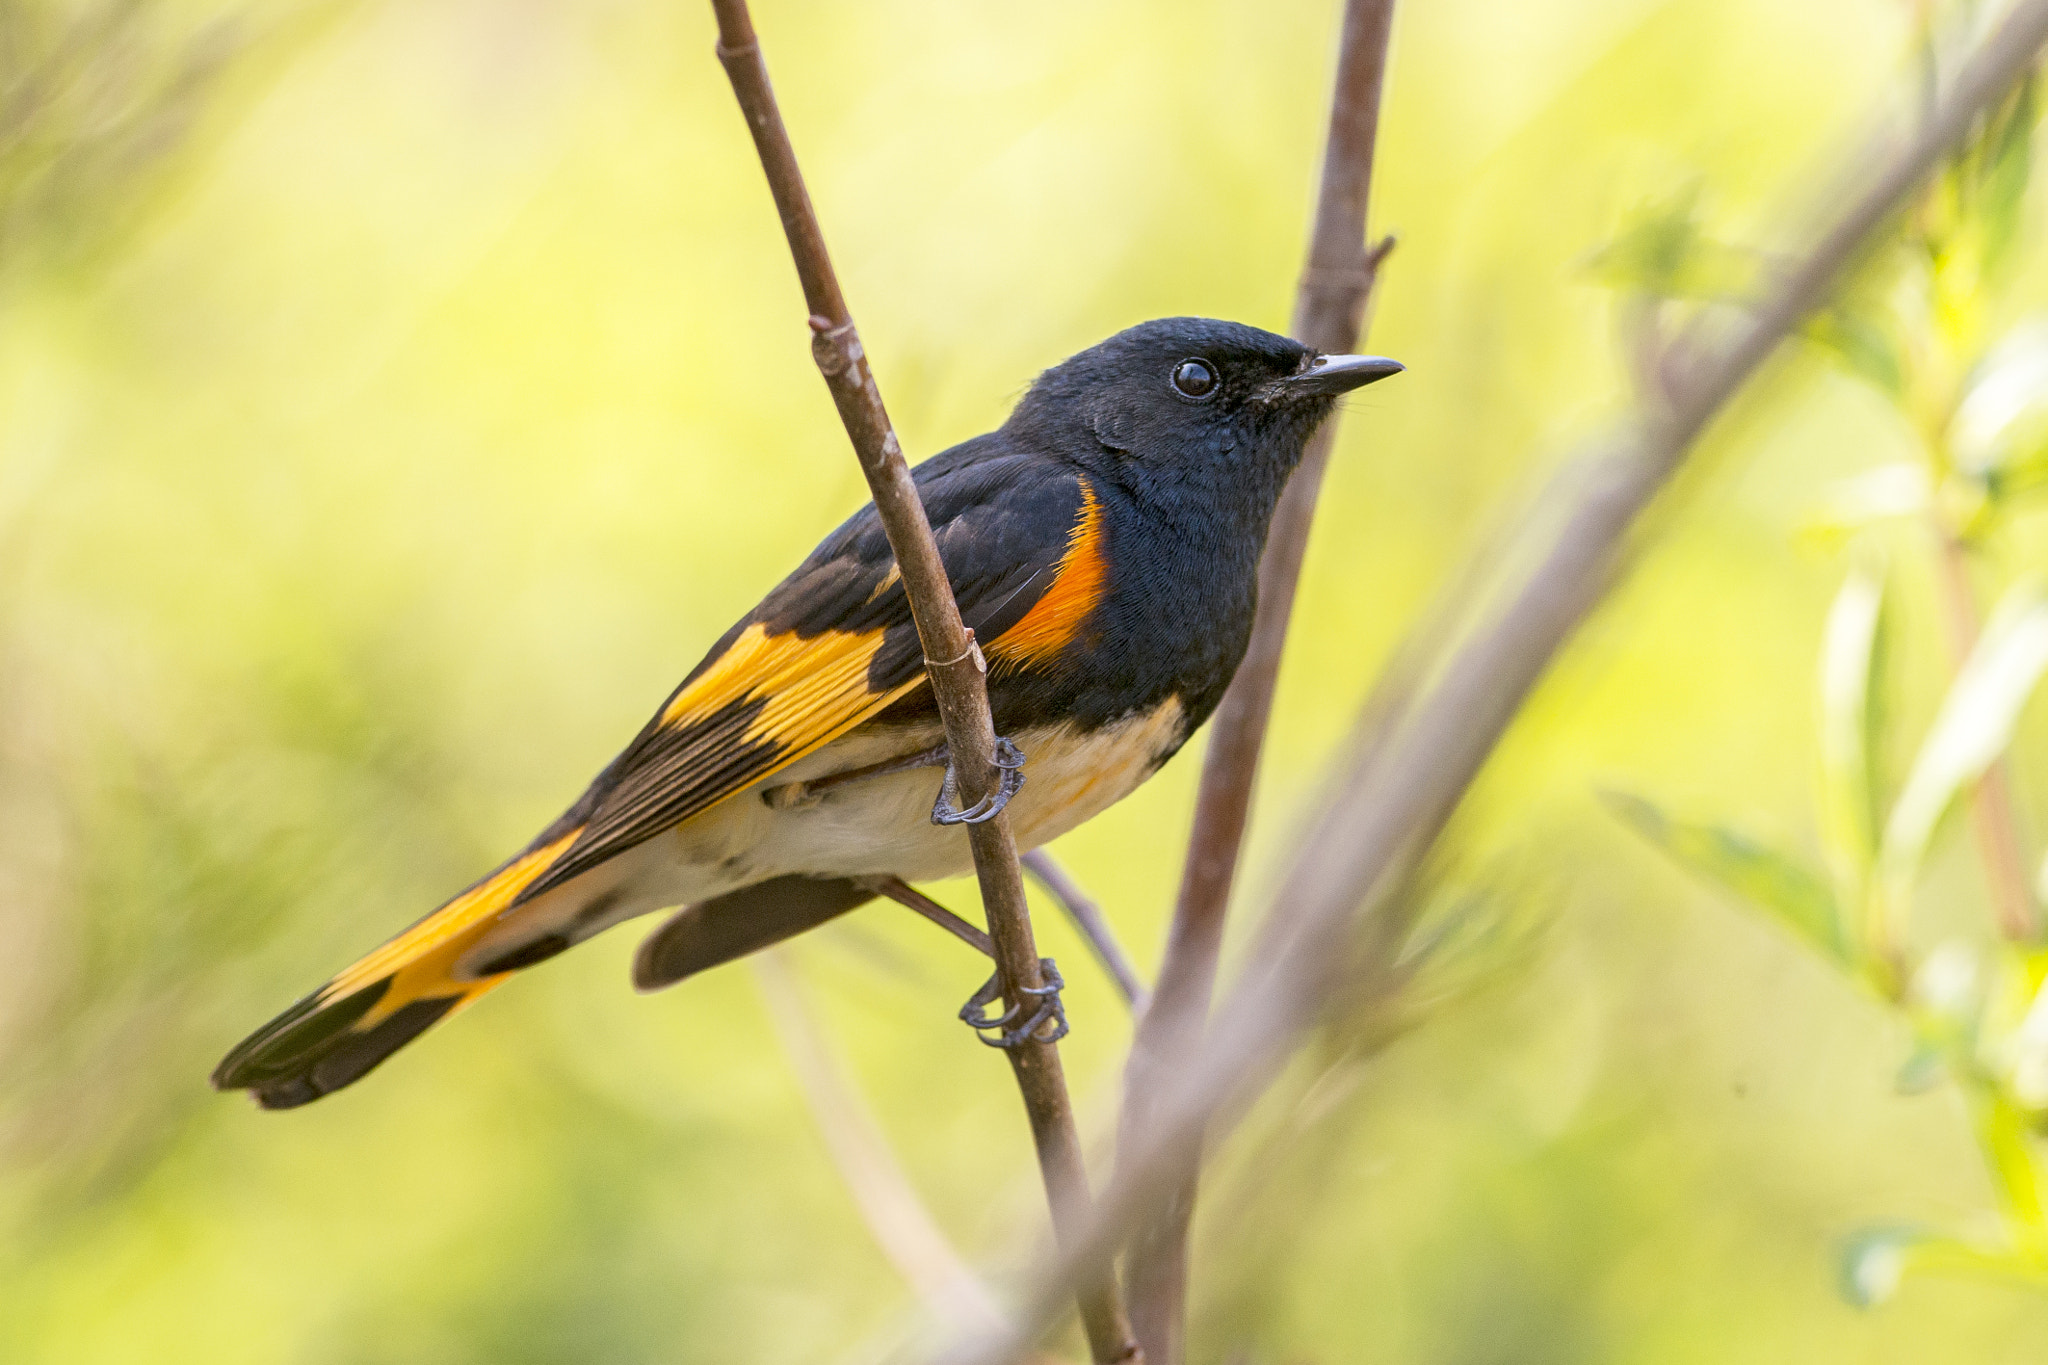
pixel 902 1226
pixel 1329 311
pixel 909 897
pixel 953 661
pixel 1991 810
pixel 1396 799
pixel 1087 917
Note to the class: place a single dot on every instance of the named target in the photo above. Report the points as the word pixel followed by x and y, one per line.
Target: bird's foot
pixel 1009 777
pixel 1045 998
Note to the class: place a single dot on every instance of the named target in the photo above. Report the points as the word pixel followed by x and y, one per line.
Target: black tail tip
pixel 313 1049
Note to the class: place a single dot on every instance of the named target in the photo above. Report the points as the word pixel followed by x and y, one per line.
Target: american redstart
pixel 1104 546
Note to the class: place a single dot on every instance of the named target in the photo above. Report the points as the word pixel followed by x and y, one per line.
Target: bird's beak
pixel 1330 375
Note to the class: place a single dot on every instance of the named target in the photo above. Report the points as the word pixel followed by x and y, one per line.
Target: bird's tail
pixel 338 1033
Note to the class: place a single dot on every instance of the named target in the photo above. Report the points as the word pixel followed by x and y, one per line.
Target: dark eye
pixel 1195 378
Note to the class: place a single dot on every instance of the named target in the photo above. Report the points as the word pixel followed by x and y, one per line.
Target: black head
pixel 1180 399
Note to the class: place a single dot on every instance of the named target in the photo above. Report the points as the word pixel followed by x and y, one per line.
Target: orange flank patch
pixel 1052 621
pixel 421 961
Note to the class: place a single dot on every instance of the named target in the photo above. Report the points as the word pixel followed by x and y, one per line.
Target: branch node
pixel 835 349
pixel 973 651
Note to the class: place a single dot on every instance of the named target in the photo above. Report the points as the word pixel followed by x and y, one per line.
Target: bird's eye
pixel 1195 378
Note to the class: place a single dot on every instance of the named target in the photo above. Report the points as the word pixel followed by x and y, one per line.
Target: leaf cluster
pixel 1921 327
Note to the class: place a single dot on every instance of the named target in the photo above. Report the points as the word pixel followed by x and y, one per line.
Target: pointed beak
pixel 1331 375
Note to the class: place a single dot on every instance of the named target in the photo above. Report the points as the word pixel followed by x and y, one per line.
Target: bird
pixel 1103 544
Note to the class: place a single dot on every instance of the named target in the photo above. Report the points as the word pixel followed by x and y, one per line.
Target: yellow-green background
pixel 371 471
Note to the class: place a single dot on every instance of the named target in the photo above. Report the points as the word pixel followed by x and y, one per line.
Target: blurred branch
pixel 1328 313
pixel 902 1226
pixel 1393 803
pixel 1991 809
pixel 1088 918
pixel 952 659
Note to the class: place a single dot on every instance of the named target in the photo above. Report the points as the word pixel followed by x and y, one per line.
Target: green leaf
pixel 1661 251
pixel 2027 1070
pixel 1923 1069
pixel 1863 346
pixel 2002 161
pixel 1971 730
pixel 2002 1133
pixel 1946 995
pixel 1762 876
pixel 1999 433
pixel 1852 724
pixel 1875 1262
pixel 1899 489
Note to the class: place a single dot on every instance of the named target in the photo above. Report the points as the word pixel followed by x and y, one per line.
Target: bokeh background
pixel 395 399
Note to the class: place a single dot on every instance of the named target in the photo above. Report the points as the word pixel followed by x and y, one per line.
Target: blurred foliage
pixel 99 102
pixel 392 411
pixel 1924 327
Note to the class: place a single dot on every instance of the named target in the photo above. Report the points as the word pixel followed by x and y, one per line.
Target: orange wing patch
pixel 1082 578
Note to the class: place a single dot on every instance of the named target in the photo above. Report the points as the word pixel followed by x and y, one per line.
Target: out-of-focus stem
pixel 1092 924
pixel 1329 312
pixel 1991 810
pixel 902 1226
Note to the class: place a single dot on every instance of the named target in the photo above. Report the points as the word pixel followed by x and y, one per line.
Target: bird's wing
pixel 833 645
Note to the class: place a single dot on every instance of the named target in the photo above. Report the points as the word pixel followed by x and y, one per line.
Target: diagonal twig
pixel 952 660
pixel 1088 918
pixel 1329 311
pixel 902 1226
pixel 910 898
pixel 1398 799
pixel 1991 809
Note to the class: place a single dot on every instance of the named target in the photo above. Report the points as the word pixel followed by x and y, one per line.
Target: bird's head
pixel 1187 396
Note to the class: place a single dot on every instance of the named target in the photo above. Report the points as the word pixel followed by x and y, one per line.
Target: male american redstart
pixel 1104 546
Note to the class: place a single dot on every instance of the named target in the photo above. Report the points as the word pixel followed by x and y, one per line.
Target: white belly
pixel 875 826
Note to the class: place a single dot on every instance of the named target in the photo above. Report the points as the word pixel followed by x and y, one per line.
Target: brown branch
pixel 910 898
pixel 1329 310
pixel 952 659
pixel 1991 810
pixel 901 1224
pixel 1395 803
pixel 1088 919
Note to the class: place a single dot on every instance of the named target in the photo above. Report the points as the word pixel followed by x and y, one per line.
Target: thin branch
pixel 902 1226
pixel 952 659
pixel 1087 917
pixel 1991 809
pixel 909 897
pixel 1396 802
pixel 1329 311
